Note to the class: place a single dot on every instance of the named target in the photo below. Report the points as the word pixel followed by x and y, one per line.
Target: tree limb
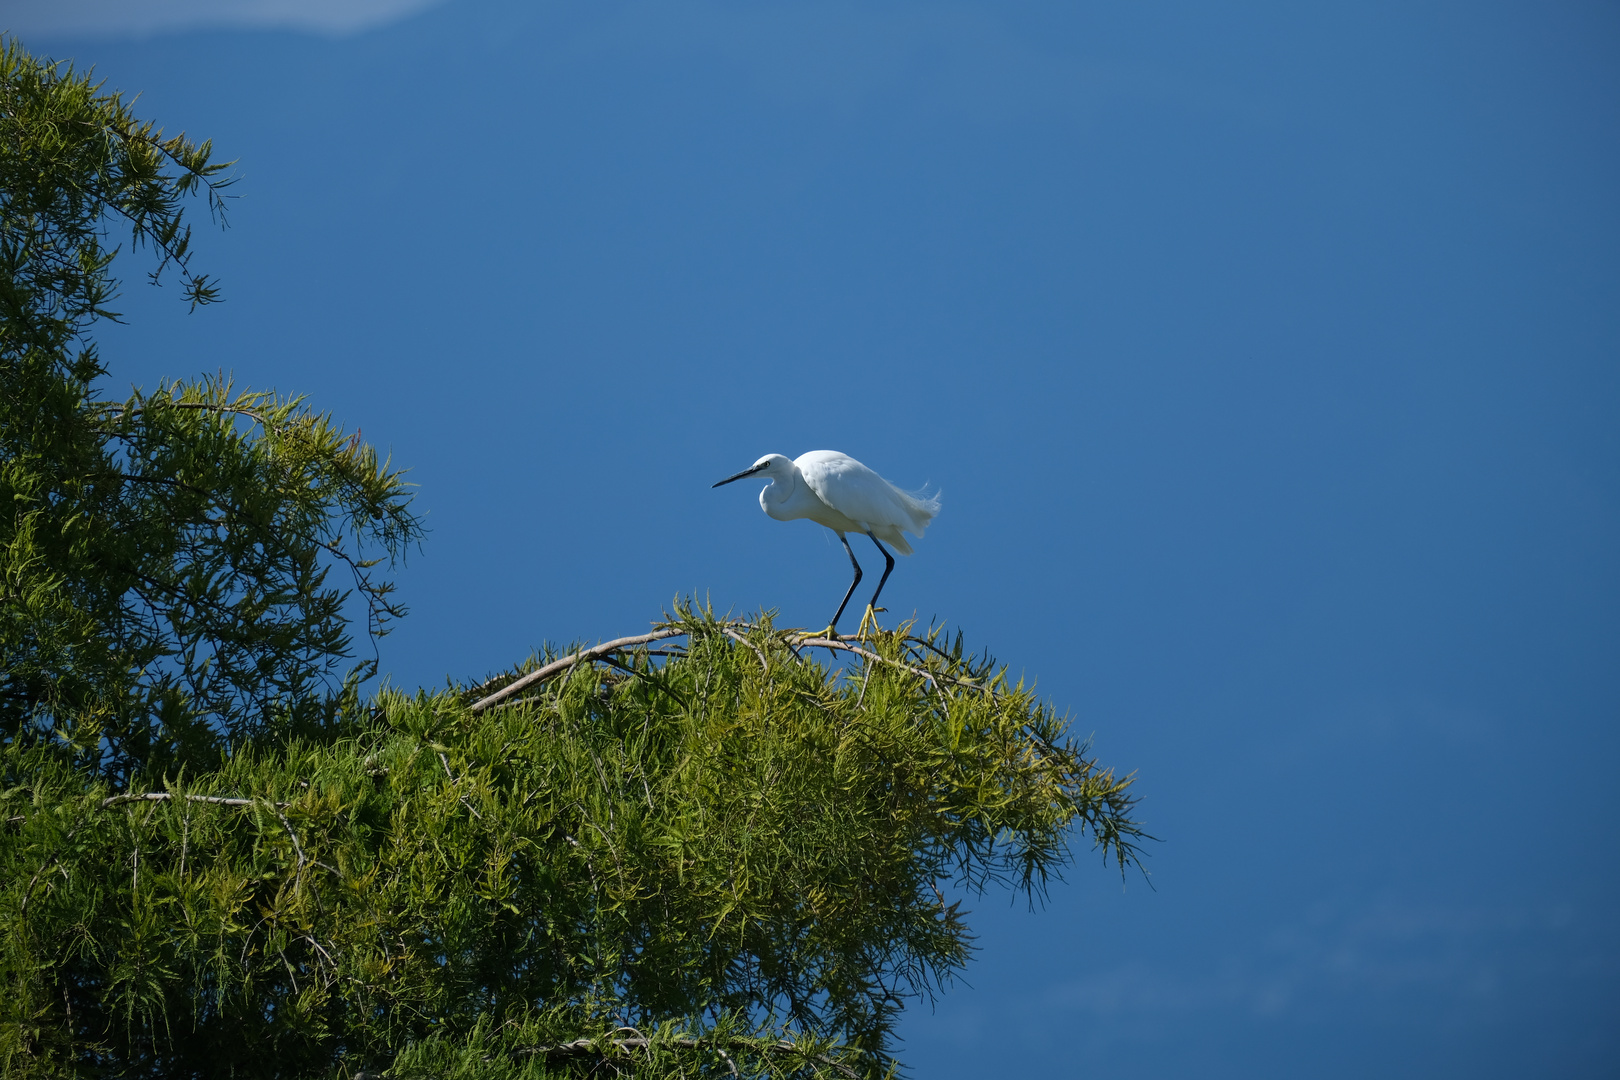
pixel 569 661
pixel 164 796
pixel 831 643
pixel 739 639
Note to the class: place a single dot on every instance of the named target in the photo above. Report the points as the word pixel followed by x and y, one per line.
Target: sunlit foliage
pixel 716 849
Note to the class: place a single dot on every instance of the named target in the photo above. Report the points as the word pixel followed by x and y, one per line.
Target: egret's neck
pixel 781 497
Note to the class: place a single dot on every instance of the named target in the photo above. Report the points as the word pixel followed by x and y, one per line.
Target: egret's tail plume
pixel 922 508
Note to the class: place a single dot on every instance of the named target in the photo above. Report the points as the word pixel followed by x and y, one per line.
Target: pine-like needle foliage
pixel 706 855
pixel 163 560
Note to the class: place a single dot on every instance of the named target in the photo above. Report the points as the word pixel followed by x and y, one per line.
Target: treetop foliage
pixel 72 157
pixel 711 845
pixel 164 560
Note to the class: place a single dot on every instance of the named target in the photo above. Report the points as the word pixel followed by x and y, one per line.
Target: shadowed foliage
pixel 164 559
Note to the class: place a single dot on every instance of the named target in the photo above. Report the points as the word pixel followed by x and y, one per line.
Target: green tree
pixel 164 560
pixel 716 849
pixel 691 852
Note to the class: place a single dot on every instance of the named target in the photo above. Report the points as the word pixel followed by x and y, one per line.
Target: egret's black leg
pixel 833 626
pixel 888 566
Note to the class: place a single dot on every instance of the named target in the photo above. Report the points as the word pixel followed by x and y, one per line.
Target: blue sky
pixel 1265 355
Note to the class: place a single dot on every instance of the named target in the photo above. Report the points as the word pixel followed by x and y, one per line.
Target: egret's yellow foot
pixel 831 633
pixel 869 621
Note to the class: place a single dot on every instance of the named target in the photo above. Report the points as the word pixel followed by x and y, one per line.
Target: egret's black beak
pixel 750 471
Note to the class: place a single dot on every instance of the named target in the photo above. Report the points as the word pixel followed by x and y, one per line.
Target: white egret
pixel 835 490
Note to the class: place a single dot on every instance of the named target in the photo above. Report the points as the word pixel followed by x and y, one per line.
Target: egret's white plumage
pixel 835 490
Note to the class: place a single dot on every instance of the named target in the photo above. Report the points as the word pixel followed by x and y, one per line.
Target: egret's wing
pixel 862 495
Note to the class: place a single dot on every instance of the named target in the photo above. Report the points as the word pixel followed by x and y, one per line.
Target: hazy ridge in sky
pixel 144 18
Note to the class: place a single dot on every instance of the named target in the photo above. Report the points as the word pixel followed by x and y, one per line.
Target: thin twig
pixel 164 796
pixel 322 951
pixel 650 674
pixel 739 639
pixel 486 684
pixel 457 785
pixel 569 661
pixel 521 701
pixel 297 847
pixel 829 643
pixel 28 893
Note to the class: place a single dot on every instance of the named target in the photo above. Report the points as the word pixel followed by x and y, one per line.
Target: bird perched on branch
pixel 835 490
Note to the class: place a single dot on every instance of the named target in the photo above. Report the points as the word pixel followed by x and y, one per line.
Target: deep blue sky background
pixel 1266 357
